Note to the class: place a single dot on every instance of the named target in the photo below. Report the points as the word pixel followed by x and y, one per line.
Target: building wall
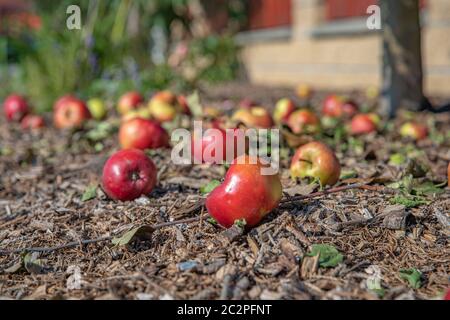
pixel 315 54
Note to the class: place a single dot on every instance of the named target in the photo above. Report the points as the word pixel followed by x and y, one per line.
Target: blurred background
pixel 184 44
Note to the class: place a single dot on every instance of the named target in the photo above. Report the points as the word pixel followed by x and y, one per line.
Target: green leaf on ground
pixel 348 174
pixel 412 276
pixel 428 188
pixel 329 256
pixel 90 193
pixel 397 159
pixel 210 186
pixel 143 232
pixel 409 201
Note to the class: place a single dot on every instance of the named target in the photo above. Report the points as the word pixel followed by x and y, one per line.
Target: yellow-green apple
pixel 142 134
pixel 255 117
pixel 15 108
pixel 283 109
pixel 70 112
pixel 32 122
pixel 129 101
pixel 316 160
pixel 128 174
pixel 414 130
pixel 97 108
pixel 303 121
pixel 246 193
pixel 165 96
pixel 364 123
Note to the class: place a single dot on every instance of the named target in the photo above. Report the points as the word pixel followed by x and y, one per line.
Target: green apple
pixel 97 108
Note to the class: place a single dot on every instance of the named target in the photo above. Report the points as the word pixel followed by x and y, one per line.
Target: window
pixel 265 14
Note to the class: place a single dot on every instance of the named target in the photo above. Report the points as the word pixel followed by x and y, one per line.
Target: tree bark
pixel 402 56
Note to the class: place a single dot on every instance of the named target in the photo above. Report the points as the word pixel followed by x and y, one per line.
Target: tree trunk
pixel 402 57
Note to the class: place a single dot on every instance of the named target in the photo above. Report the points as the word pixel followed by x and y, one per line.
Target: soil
pixel 44 175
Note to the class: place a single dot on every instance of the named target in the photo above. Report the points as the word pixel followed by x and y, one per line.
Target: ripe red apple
pixel 128 174
pixel 15 107
pixel 316 160
pixel 363 124
pixel 332 106
pixel 33 122
pixel 184 105
pixel 350 108
pixel 303 121
pixel 70 112
pixel 129 101
pixel 204 148
pixel 246 193
pixel 255 117
pixel 283 109
pixel 142 134
pixel 414 130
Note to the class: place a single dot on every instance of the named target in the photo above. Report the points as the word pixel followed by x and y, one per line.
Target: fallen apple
pixel 448 175
pixel 128 174
pixel 414 130
pixel 161 110
pixel 316 160
pixel 143 113
pixel 70 112
pixel 129 101
pixel 184 105
pixel 97 108
pixel 246 194
pixel 255 117
pixel 142 134
pixel 303 121
pixel 15 108
pixel 32 122
pixel 363 124
pixel 283 109
pixel 332 106
pixel 165 96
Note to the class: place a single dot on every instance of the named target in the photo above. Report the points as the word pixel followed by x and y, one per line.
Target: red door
pixel 269 13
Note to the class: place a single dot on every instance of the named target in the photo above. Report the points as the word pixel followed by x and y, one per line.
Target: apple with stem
pixel 15 108
pixel 129 101
pixel 283 109
pixel 303 121
pixel 128 174
pixel 70 112
pixel 316 160
pixel 246 193
pixel 142 134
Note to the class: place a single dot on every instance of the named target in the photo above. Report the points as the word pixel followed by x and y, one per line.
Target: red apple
pixel 283 109
pixel 303 121
pixel 129 101
pixel 246 193
pixel 350 108
pixel 204 148
pixel 332 106
pixel 255 117
pixel 128 174
pixel 15 108
pixel 316 160
pixel 166 97
pixel 414 130
pixel 447 295
pixel 182 102
pixel 363 124
pixel 142 134
pixel 70 112
pixel 448 175
pixel 32 122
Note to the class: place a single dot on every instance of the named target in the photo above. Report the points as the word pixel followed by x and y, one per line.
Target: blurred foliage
pixel 112 52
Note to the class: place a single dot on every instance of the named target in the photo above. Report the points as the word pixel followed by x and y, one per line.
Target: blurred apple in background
pixel 129 101
pixel 142 112
pixel 70 112
pixel 184 105
pixel 32 122
pixel 303 121
pixel 97 108
pixel 15 107
pixel 414 130
pixel 304 91
pixel 316 160
pixel 162 111
pixel 283 109
pixel 364 124
pixel 255 117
